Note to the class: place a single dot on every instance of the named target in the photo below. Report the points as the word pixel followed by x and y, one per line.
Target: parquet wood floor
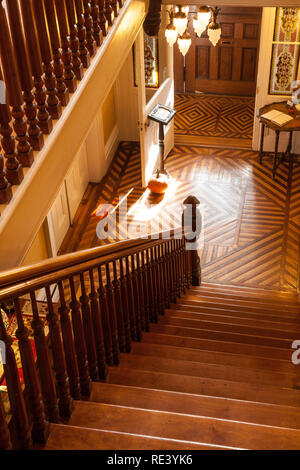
pixel 214 120
pixel 251 224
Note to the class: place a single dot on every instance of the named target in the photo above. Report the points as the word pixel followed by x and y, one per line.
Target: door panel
pixel 59 215
pixel 231 66
pixel 77 180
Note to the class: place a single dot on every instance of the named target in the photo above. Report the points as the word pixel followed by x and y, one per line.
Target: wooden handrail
pixel 103 253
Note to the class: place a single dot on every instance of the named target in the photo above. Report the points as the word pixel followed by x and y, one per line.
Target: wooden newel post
pixel 191 223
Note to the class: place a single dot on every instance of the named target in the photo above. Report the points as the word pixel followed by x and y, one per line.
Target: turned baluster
pixel 177 259
pixel 5 442
pixel 115 7
pixel 144 274
pixel 102 18
pixel 5 186
pixel 126 313
pixel 105 320
pixel 119 308
pixel 120 3
pixel 43 363
pixel 34 53
pixel 89 331
pixel 13 169
pixel 108 12
pixel 69 346
pixel 136 298
pixel 131 303
pixel 168 275
pixel 88 21
pixel 40 426
pixel 98 328
pixel 150 287
pixel 58 66
pixel 155 281
pixel 192 225
pixel 69 76
pixel 112 315
pixel 65 403
pixel 173 271
pixel 140 288
pixel 162 278
pixel 82 35
pixel 160 281
pixel 155 306
pixel 25 74
pixel 164 275
pixel 80 345
pixel 74 40
pixel 14 98
pixel 96 22
pixel 20 424
pixel 182 266
pixel 53 102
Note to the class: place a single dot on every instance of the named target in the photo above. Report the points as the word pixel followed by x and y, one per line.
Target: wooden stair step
pixel 156 336
pixel 213 357
pixel 234 305
pixel 288 322
pixel 251 297
pixel 204 386
pixel 222 336
pixel 187 428
pixel 247 290
pixel 196 321
pixel 201 369
pixel 223 408
pixel 67 437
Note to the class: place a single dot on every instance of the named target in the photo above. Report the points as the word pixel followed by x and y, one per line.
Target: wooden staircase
pixel 215 372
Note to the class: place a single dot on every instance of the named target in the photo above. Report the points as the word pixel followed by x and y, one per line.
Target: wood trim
pixel 239 3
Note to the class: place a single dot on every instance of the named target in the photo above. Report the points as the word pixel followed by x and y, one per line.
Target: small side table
pixel 291 127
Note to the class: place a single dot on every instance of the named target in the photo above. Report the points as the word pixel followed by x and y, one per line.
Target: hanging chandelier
pixel 205 18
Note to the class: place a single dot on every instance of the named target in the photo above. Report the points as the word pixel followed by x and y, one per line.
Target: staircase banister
pixel 20 280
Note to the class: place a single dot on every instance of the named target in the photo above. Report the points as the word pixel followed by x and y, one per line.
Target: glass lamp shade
pixel 184 42
pixel 214 33
pixel 201 20
pixel 171 34
pixel 180 22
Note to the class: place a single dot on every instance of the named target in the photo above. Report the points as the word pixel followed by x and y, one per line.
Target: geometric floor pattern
pixel 214 116
pixel 251 223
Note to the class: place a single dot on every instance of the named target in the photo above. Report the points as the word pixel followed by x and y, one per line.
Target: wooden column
pixel 109 12
pixel 96 22
pixel 88 21
pixel 69 347
pixel 88 330
pixel 34 52
pixel 20 423
pixel 105 320
pixel 36 139
pixel 102 18
pixel 70 77
pixel 112 316
pixel 58 67
pixel 5 186
pixel 74 40
pixel 43 363
pixel 191 218
pixel 40 427
pixel 13 169
pixel 14 94
pixel 53 103
pixel 98 328
pixel 80 345
pixel 65 402
pixel 82 35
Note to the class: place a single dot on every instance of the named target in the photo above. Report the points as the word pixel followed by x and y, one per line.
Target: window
pixel 285 52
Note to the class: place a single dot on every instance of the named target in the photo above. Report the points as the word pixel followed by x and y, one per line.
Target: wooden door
pixel 77 180
pixel 230 68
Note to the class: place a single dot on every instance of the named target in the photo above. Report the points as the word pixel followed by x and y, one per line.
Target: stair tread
pixel 202 369
pixel 215 357
pixel 180 402
pixel 204 386
pixel 166 337
pixel 217 287
pixel 251 297
pixel 68 437
pixel 189 428
pixel 238 338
